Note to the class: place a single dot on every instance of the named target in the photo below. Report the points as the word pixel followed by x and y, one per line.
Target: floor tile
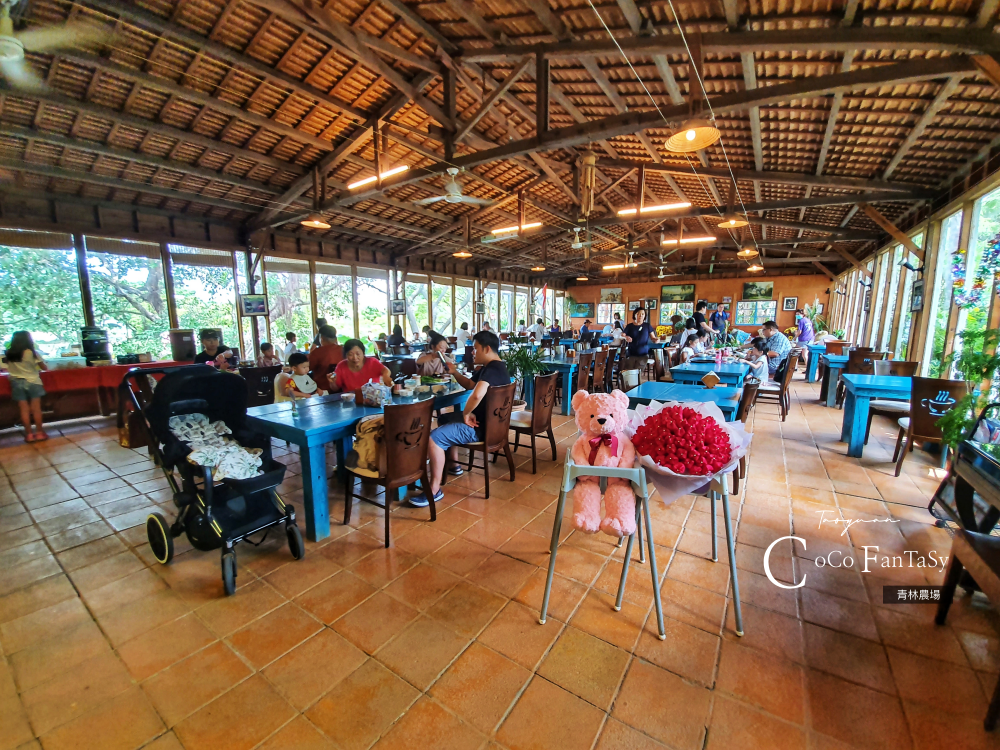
pixel 480 686
pixel 310 669
pixel 663 706
pixel 159 648
pixel 103 729
pixel 585 666
pixel 375 621
pixel 429 725
pixel 517 634
pixel 737 725
pixel 274 634
pixel 335 596
pixel 466 609
pixel 422 651
pixel 547 716
pixel 857 715
pixel 775 685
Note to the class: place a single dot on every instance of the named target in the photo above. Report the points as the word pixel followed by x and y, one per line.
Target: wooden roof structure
pixel 837 119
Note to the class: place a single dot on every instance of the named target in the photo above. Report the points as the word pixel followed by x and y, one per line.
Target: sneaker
pixel 455 471
pixel 420 501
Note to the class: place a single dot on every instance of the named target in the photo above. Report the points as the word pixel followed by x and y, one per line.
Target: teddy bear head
pixel 600 413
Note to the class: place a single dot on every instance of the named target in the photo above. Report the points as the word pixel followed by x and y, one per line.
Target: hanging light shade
pixel 693 135
pixel 755 267
pixel 733 221
pixel 582 278
pixel 747 252
pixel 538 268
pixel 314 221
pixel 462 254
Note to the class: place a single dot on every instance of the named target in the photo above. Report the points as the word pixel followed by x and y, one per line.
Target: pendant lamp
pixel 694 135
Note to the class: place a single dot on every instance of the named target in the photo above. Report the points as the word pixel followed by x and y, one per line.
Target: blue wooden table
pixel 859 391
pixel 692 372
pixel 812 367
pixel 831 376
pixel 727 398
pixel 317 422
pixel 567 366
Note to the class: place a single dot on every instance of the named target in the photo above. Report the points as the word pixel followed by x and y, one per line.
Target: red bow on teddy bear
pixel 595 445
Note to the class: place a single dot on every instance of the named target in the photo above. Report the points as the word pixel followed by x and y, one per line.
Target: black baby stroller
pixel 214 514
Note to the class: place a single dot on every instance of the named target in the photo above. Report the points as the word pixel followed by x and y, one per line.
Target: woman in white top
pixel 464 336
pixel 687 350
pixel 23 364
pixel 757 360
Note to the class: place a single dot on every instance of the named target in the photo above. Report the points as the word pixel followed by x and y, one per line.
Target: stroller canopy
pixel 198 390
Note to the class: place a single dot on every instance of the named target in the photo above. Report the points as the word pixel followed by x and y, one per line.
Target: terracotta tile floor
pixel 435 642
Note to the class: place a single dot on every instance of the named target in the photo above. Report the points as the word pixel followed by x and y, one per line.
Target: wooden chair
pixel 887 407
pixel 381 346
pixel 499 400
pixel 614 357
pixel 408 366
pixel 660 368
pixel 979 554
pixel 260 384
pixel 859 362
pixel 778 392
pixel 395 368
pixel 836 348
pixel 930 399
pixel 469 358
pixel 404 349
pixel 600 366
pixel 582 374
pixel 747 400
pixel 538 421
pixel 628 379
pixel 407 436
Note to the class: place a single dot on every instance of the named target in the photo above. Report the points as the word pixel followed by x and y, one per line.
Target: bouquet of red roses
pixel 684 441
pixel 684 447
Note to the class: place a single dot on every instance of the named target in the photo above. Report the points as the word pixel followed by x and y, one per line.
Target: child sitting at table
pixel 687 351
pixel 267 358
pixel 297 383
pixel 757 359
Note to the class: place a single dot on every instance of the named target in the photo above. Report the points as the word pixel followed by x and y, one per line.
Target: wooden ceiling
pixel 223 110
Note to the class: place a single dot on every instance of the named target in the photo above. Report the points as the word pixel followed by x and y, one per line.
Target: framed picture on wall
pixel 253 305
pixel 917 298
pixel 397 307
pixel 583 310
pixel 727 300
pixel 634 304
pixel 651 303
pixel 677 293
pixel 612 296
pixel 788 304
pixel 754 291
pixel 480 308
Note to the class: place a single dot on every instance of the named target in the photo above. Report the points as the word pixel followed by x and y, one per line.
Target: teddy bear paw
pixel 616 527
pixel 587 522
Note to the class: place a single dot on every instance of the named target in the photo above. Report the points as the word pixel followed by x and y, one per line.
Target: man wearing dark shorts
pixel 469 425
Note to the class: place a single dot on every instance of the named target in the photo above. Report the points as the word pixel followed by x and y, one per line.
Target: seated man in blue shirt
pixel 778 346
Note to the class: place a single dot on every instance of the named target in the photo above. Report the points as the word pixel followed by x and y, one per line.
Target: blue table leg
pixel 813 367
pixel 314 491
pixel 855 421
pixel 831 378
pixel 567 391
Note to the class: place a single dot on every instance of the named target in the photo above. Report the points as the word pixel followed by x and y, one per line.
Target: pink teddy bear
pixel 601 418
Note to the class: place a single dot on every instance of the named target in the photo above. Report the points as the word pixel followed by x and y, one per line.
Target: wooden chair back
pixel 469 358
pixel 381 346
pixel 862 362
pixel 395 368
pixel 836 347
pixel 407 435
pixel 793 362
pixel 896 368
pixel 614 358
pixel 545 399
pixel 630 379
pixel 659 364
pixel 862 349
pixel 671 356
pixel 408 366
pixel 931 399
pixel 260 384
pixel 404 349
pixel 499 400
pixel 747 399
pixel 583 372
pixel 600 365
pixel 452 340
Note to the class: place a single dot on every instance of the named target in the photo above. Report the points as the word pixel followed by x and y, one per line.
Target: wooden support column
pixel 83 273
pixel 450 111
pixel 826 271
pixel 313 298
pixel 921 320
pixel 850 259
pixel 877 281
pixel 251 287
pixel 168 284
pixel 954 312
pixel 354 299
pixel 541 94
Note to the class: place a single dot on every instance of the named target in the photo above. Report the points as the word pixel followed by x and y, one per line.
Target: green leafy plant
pixel 523 362
pixel 817 320
pixel 839 333
pixel 976 362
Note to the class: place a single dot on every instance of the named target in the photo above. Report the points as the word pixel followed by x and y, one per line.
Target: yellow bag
pixel 367 458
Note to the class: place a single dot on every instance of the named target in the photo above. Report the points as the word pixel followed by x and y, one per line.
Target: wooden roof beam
pixel 850 259
pixel 632 122
pixel 918 128
pixel 839 39
pixel 492 98
pixel 872 213
pixel 826 271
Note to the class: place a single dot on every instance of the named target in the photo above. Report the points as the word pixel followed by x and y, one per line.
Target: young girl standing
pixel 23 364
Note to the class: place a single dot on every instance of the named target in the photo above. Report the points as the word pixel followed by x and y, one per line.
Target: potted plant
pixel 976 363
pixel 523 363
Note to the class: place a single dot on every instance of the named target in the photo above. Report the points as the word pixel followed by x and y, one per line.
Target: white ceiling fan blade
pixel 429 201
pixel 72 34
pixel 21 75
pixel 476 201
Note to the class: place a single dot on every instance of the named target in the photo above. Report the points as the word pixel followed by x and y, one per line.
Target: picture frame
pixel 727 300
pixel 634 304
pixel 789 304
pixel 651 303
pixel 583 310
pixel 677 293
pixel 612 295
pixel 917 296
pixel 253 305
pixel 397 307
pixel 758 291
pixel 480 308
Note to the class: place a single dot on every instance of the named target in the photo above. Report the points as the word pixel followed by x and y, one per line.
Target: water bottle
pixel 718 357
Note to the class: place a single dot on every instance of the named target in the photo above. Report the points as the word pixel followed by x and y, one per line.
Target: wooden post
pixel 251 287
pixel 450 111
pixel 877 297
pixel 168 284
pixel 80 246
pixel 541 94
pixel 921 319
pixel 313 299
pixel 354 299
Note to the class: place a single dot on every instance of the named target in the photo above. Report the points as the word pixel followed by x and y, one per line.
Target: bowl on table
pixel 347 398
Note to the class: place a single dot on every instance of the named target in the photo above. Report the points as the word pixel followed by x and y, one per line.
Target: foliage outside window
pixel 490 301
pixel 373 288
pixel 985 225
pixel 443 324
pixel 755 313
pixel 606 312
pixel 40 293
pixel 130 300
pixel 561 310
pixel 289 299
pixel 521 310
pixel 464 306
pixel 940 303
pixel 878 297
pixel 506 309
pixel 895 257
pixel 334 300
pixel 903 337
pixel 204 290
pixel 417 311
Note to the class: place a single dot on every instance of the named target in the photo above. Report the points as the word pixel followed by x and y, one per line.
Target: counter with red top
pixel 74 393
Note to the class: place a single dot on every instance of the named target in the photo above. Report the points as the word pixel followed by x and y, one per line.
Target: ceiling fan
pixel 453 193
pixel 577 244
pixel 664 275
pixel 13 67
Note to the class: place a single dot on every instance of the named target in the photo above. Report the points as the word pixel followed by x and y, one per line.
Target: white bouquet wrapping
pixel 672 485
pixel 211 446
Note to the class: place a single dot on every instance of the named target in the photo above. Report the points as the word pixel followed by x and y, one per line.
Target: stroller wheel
pixel 295 544
pixel 161 541
pixel 229 573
